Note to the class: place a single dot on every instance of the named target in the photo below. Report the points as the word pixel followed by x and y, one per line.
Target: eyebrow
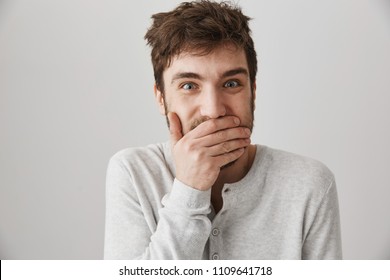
pixel 186 75
pixel 191 75
pixel 235 71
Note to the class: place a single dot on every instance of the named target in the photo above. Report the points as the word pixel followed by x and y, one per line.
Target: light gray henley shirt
pixel 286 207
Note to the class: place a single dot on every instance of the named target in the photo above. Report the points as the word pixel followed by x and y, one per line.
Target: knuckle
pixel 201 154
pixel 225 146
pixel 208 165
pixel 212 125
pixel 236 153
pixel 221 135
pixel 231 156
pixel 197 157
pixel 188 147
pixel 245 141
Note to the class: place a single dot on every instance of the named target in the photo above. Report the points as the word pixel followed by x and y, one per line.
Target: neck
pixel 239 169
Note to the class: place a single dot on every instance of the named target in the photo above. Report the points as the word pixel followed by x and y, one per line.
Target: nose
pixel 212 105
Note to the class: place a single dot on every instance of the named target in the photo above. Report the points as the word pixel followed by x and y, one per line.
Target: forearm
pixel 180 231
pixel 183 227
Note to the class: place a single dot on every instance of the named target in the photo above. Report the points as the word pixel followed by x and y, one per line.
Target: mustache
pixel 197 122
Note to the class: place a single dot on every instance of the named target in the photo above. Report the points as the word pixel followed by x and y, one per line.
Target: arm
pixel 324 238
pixel 182 230
pixel 183 226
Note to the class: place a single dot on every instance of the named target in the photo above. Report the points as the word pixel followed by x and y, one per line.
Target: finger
pixel 213 125
pixel 224 136
pixel 224 159
pixel 174 128
pixel 228 146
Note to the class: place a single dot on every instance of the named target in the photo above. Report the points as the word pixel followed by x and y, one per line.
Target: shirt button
pixel 215 256
pixel 215 232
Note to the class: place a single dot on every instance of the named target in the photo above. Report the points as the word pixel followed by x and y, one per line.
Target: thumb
pixel 174 127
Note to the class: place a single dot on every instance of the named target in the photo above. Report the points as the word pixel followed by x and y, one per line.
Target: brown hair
pixel 198 26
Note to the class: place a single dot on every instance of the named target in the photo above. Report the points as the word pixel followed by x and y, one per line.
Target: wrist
pixel 184 196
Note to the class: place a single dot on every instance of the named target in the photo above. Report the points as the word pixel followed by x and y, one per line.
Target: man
pixel 209 193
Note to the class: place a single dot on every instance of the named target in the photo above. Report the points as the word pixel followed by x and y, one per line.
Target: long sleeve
pixel 132 228
pixel 324 237
pixel 286 207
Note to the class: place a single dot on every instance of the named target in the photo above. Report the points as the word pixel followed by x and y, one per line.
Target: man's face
pixel 201 87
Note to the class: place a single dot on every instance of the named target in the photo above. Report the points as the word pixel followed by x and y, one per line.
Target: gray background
pixel 76 86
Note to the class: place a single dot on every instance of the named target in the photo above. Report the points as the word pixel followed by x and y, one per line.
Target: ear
pixel 254 95
pixel 160 100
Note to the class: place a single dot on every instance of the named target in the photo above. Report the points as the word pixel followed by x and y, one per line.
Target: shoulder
pixel 298 172
pixel 290 163
pixel 151 157
pixel 153 151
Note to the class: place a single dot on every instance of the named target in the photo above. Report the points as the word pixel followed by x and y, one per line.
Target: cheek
pixel 242 106
pixel 184 113
pixel 244 110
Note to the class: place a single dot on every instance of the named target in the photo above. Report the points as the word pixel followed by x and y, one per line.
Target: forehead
pixel 208 64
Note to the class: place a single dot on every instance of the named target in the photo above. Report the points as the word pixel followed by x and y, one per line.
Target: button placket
pixel 215 241
pixel 215 244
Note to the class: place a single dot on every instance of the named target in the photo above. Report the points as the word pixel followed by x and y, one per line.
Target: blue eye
pixel 231 84
pixel 188 86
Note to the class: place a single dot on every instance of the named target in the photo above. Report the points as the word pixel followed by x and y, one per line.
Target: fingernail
pixel 236 120
pixel 247 131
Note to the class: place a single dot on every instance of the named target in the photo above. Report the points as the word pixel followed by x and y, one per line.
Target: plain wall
pixel 76 85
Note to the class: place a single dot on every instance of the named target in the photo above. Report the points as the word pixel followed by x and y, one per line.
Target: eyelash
pixel 195 86
pixel 188 83
pixel 237 83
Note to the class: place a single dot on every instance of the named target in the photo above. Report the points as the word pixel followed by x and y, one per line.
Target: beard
pixel 248 122
pixel 197 122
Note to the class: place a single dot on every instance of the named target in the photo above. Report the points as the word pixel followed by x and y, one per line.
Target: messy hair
pixel 198 26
